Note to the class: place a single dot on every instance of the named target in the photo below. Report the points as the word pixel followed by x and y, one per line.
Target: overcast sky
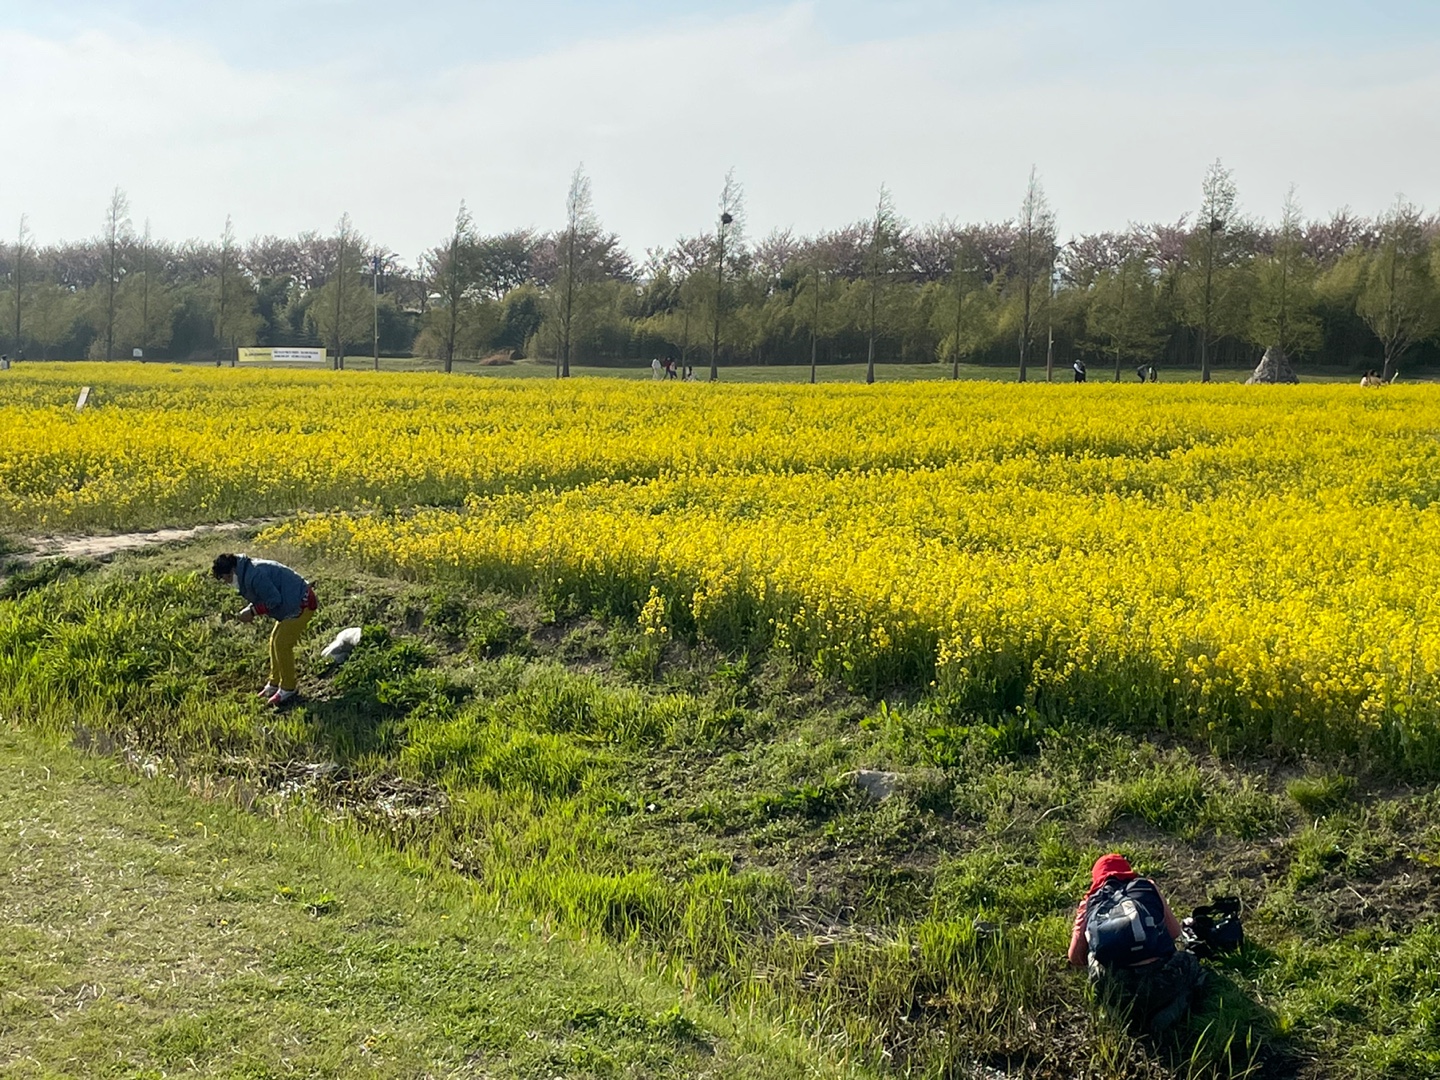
pixel 284 113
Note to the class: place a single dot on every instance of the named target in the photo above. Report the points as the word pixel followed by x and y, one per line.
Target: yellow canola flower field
pixel 1253 566
pixel 1255 624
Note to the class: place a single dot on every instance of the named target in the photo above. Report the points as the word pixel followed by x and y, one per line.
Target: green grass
pixel 884 372
pixel 825 373
pixel 1321 794
pixel 693 808
pixel 150 933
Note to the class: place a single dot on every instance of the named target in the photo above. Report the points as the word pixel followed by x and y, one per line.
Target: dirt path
pixel 103 547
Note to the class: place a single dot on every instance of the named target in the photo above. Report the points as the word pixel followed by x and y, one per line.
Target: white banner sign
pixel 281 356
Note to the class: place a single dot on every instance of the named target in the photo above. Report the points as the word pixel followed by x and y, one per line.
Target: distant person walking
pixel 1079 366
pixel 272 589
pixel 1140 372
pixel 1154 373
pixel 655 369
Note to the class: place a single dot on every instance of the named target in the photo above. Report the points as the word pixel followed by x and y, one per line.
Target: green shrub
pixel 448 613
pixel 490 631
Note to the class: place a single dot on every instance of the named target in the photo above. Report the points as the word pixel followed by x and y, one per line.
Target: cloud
pixel 166 119
pixel 1120 125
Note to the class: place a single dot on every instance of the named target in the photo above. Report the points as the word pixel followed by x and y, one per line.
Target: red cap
pixel 1110 866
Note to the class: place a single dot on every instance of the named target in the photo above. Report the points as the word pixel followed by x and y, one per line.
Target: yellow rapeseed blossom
pixel 1254 565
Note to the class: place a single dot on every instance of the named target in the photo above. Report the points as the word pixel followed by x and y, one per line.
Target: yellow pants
pixel 282 649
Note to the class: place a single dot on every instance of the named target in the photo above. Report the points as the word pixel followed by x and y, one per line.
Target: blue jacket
pixel 273 588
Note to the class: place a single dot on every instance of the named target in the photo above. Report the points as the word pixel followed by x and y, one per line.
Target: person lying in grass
pixel 272 589
pixel 1126 934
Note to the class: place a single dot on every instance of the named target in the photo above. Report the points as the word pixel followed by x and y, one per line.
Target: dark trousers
pixel 1153 996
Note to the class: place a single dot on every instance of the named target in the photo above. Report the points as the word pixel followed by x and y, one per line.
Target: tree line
pixel 1214 287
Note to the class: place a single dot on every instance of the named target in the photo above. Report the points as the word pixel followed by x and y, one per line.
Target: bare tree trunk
pixel 454 290
pixel 1284 320
pixel 110 303
pixel 1209 300
pixel 1217 210
pixel 732 218
pixel 220 313
pixel 815 328
pixel 145 295
pixel 116 225
pixel 719 302
pixel 21 244
pixel 959 312
pixel 567 322
pixel 1387 372
pixel 1025 320
pixel 1025 336
pixel 340 302
pixel 879 263
pixel 1120 321
pixel 870 356
pixel 1036 221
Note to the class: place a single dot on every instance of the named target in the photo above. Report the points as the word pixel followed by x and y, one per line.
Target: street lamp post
pixel 725 219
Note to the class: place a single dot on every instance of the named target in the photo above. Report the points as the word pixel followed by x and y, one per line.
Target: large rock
pixel 876 784
pixel 1274 367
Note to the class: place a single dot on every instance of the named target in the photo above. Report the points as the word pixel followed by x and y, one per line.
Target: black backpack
pixel 1125 924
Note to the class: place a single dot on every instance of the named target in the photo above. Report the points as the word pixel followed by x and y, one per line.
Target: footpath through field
pixel 104 545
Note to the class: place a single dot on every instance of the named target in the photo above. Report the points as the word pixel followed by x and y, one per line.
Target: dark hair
pixel 223 566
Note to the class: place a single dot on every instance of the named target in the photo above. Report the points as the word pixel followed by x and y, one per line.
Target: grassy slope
pixel 148 933
pixel 696 804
